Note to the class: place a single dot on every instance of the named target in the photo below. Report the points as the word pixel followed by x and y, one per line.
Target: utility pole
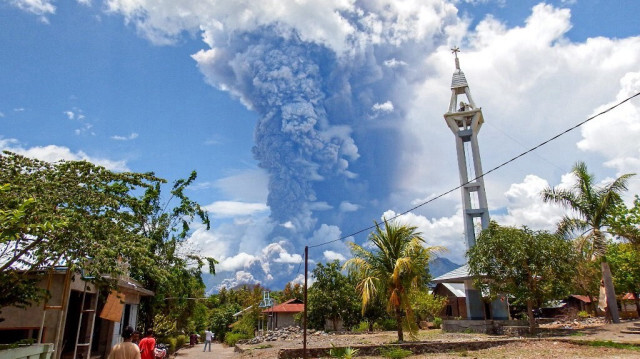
pixel 304 325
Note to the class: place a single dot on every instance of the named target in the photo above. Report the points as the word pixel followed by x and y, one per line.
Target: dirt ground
pixel 552 347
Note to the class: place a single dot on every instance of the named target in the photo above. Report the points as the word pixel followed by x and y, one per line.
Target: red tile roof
pixel 290 306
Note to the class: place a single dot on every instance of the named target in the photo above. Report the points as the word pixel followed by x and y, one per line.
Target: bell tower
pixel 465 119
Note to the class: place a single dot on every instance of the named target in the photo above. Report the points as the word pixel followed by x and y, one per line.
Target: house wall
pixel 457 305
pixel 31 317
pixel 285 320
pixel 55 320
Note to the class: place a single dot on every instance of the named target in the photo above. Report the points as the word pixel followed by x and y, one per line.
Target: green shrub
pixel 437 322
pixel 232 338
pixel 395 352
pixel 181 340
pixel 583 314
pixel 343 353
pixel 172 343
pixel 361 327
pixel 388 324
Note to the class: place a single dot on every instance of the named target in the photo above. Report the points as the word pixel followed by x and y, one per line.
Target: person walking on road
pixel 208 337
pixel 126 349
pixel 148 346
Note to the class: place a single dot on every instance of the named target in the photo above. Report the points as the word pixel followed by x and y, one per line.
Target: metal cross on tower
pixel 465 121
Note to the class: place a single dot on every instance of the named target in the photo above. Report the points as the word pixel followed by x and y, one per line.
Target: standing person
pixel 126 349
pixel 148 346
pixel 135 338
pixel 208 337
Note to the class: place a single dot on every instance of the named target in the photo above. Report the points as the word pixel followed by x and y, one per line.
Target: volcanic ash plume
pixel 283 81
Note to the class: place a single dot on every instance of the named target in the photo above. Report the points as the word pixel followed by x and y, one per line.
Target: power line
pixel 483 174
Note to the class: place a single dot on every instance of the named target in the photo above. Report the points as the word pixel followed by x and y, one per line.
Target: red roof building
pixel 283 315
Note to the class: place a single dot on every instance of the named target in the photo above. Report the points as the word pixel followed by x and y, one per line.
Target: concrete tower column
pixel 465 119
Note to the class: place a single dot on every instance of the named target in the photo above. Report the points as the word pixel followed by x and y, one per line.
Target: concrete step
pixel 636 324
pixel 633 329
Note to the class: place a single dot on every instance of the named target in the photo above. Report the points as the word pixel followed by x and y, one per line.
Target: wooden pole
pixel 304 325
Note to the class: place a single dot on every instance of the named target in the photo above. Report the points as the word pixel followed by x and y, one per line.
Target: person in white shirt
pixel 208 337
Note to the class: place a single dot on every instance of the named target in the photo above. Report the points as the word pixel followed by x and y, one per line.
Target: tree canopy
pixel 395 267
pixel 532 266
pixel 332 297
pixel 594 208
pixel 70 213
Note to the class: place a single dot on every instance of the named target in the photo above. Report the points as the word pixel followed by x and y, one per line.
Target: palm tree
pixel 593 206
pixel 395 268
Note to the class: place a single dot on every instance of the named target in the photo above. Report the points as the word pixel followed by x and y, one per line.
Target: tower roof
pixel 458 79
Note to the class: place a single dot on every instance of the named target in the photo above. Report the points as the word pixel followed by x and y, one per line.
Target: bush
pixel 437 322
pixel 583 314
pixel 172 344
pixel 343 353
pixel 181 340
pixel 232 338
pixel 388 324
pixel 361 327
pixel 395 352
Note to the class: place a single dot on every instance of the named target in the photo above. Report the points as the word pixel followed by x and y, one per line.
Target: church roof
pixel 457 275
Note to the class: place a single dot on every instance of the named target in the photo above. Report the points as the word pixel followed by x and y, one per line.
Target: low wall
pixel 415 347
pixel 36 351
pixel 499 327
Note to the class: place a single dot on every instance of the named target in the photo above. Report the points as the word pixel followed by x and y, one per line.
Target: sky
pixel 308 120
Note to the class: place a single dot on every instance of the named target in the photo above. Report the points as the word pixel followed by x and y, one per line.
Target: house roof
pixel 242 311
pixel 629 296
pixel 456 289
pixel 457 275
pixel 582 298
pixel 290 306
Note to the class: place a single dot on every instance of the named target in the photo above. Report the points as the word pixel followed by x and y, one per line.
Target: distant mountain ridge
pixel 440 265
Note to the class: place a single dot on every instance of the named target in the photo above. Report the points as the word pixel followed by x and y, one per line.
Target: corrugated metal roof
pixel 629 296
pixel 457 275
pixel 290 306
pixel 456 288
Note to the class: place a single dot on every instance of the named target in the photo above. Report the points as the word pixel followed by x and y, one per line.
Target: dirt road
pixel 218 351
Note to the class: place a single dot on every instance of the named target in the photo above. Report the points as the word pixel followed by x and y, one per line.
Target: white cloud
pixel 393 63
pixel 240 278
pixel 348 207
pixel 300 280
pixel 70 115
pixel 330 256
pixel 36 7
pixel 239 261
pixel 383 107
pixel 340 25
pixel 132 136
pixel 85 129
pixel 53 153
pixel 288 225
pixel 532 83
pixel 246 186
pixel 234 208
pixel 524 207
pixel 615 134
pixel 277 253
